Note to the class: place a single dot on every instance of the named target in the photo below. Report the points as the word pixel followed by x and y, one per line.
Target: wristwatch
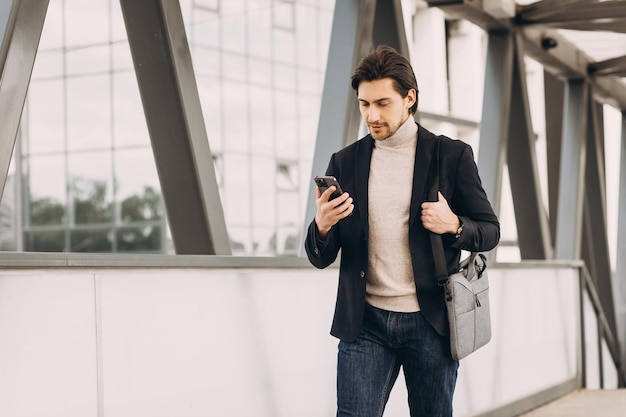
pixel 458 231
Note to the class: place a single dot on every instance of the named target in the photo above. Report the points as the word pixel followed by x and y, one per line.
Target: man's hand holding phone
pixel 330 210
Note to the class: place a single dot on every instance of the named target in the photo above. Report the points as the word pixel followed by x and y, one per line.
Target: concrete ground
pixel 585 403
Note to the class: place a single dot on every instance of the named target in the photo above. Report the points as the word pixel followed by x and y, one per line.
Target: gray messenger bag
pixel 466 291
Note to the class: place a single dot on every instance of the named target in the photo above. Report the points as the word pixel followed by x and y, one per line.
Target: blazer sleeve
pixel 322 253
pixel 481 228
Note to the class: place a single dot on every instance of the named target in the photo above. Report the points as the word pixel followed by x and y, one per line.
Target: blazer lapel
pixel 423 153
pixel 361 178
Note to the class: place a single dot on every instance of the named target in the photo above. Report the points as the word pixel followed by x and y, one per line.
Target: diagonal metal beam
pixel 471 10
pixel 566 61
pixel 554 91
pixel 389 26
pixel 572 173
pixel 617 26
pixel 21 23
pixel 494 125
pixel 167 85
pixel 620 267
pixel 596 252
pixel 545 8
pixel 533 229
pixel 581 11
pixel 613 66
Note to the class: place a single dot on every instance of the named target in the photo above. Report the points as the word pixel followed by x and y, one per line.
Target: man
pixel 390 312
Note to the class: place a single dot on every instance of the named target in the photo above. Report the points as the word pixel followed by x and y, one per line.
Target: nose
pixel 372 114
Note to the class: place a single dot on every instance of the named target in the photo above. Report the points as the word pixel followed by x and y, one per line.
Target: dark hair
pixel 386 62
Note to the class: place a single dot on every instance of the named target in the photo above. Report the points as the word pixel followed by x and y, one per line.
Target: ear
pixel 411 97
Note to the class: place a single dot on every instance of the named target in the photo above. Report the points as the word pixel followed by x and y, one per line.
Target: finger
pixel 327 193
pixel 440 197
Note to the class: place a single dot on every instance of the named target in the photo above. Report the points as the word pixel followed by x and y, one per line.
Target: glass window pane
pixel 128 163
pixel 260 72
pixel 237 181
pixel 91 241
pixel 129 122
pixel 284 47
pixel 91 187
pixel 42 123
pixel 283 15
pixel 286 128
pixel 86 22
pixel 8 228
pixel 48 64
pixel 234 32
pixel 46 175
pixel 240 240
pixel 261 120
pixel 210 93
pixel 285 77
pixel 89 60
pixel 48 241
pixel 234 113
pixel 263 191
pixel 139 239
pixel 264 241
pixel 121 58
pixel 203 28
pixel 89 112
pixel 234 67
pixel 260 33
pixel 207 61
pixel 52 33
pixel 118 27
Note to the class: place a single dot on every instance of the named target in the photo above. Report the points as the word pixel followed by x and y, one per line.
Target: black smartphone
pixel 325 181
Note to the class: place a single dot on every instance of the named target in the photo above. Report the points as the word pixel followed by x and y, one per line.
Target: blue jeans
pixel 368 367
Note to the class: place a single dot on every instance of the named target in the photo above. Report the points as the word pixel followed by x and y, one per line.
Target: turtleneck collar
pixel 405 135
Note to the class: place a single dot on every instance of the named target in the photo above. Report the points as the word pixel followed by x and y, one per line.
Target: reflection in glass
pixel 89 112
pixel 47 190
pixel 91 241
pixel 91 204
pixel 139 239
pixel 44 241
pixel 44 115
pixel 90 181
pixel 90 186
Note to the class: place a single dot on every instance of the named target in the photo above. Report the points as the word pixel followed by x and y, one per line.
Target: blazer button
pixel 362 274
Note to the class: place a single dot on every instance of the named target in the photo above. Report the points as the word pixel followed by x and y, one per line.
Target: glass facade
pixel 83 176
pixel 89 181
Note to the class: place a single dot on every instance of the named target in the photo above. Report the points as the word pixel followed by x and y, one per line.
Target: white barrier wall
pixel 192 342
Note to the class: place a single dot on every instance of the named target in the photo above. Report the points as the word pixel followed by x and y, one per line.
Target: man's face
pixel 382 107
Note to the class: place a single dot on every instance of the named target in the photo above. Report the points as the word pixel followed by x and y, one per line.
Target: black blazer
pixel 460 185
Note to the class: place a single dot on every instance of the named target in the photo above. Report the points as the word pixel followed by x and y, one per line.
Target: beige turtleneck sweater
pixel 390 283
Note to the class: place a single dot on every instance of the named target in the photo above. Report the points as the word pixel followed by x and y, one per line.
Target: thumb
pixel 440 197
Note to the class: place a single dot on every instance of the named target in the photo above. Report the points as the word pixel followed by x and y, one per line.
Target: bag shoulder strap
pixel 435 239
pixel 436 243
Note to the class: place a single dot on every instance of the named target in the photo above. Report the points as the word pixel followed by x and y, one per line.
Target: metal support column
pixel 389 26
pixel 21 22
pixel 596 248
pixel 494 125
pixel 620 269
pixel 554 90
pixel 530 214
pixel 167 84
pixel 572 171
